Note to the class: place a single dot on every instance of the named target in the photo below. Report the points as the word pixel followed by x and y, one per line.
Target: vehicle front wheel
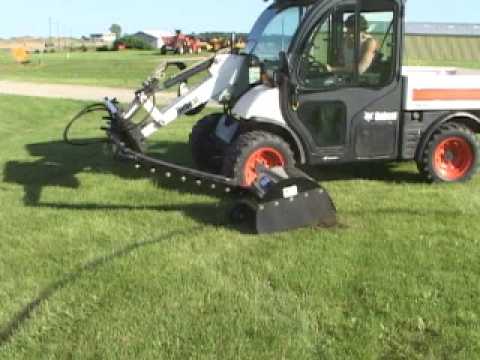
pixel 451 155
pixel 255 148
pixel 207 150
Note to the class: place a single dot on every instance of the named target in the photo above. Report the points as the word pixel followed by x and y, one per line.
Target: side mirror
pixel 282 72
pixel 283 63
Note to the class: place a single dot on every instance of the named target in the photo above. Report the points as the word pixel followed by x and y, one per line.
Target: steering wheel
pixel 316 65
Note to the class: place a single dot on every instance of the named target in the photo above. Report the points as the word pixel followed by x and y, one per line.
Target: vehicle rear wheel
pixel 207 149
pixel 451 155
pixel 255 148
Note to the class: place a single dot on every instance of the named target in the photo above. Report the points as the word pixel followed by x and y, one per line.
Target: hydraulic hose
pixel 97 107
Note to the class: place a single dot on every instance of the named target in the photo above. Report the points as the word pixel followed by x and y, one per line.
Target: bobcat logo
pixel 380 116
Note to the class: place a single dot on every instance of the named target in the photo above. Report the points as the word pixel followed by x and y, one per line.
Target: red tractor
pixel 181 44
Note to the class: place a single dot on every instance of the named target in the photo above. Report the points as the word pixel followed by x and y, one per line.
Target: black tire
pixel 241 151
pixel 460 157
pixel 207 149
pixel 163 50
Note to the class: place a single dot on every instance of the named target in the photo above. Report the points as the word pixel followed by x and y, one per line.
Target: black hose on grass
pixel 97 107
pixel 8 330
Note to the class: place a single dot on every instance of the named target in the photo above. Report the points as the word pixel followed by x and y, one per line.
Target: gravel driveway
pixel 75 92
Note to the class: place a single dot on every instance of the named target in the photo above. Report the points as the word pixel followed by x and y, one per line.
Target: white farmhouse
pixel 103 39
pixel 154 37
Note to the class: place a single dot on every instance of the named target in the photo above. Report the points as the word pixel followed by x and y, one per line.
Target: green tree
pixel 132 42
pixel 117 30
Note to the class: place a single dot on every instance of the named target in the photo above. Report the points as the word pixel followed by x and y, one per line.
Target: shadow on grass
pixel 59 165
pixel 210 215
pixel 378 171
pixel 8 330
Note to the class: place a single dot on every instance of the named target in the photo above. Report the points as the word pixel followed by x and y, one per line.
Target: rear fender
pixel 279 129
pixel 468 119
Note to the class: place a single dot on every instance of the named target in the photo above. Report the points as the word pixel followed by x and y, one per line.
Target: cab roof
pixel 307 2
pixel 293 2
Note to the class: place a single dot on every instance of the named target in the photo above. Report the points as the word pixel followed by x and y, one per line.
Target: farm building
pixel 442 42
pixel 153 37
pixel 103 39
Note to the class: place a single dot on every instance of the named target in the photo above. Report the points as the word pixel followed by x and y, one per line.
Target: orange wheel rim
pixel 453 158
pixel 266 156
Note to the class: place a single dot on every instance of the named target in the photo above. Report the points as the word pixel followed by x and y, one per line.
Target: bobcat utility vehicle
pixel 284 105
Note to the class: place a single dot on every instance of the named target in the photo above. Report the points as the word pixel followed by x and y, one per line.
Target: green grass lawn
pixel 458 64
pixel 114 68
pixel 98 260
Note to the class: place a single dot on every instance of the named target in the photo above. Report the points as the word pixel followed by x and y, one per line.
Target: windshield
pixel 273 32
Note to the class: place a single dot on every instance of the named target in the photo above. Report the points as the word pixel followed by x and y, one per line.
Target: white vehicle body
pixel 441 89
pixel 261 103
pixel 426 89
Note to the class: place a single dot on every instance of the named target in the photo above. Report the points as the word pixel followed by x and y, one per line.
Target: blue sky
pixel 82 17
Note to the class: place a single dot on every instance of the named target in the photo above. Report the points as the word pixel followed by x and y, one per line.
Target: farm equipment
pixel 181 44
pixel 219 43
pixel 204 45
pixel 289 98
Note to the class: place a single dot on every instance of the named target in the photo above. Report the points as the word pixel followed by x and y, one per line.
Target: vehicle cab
pixel 341 107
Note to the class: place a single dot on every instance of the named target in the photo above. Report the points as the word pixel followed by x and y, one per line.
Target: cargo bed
pixel 436 88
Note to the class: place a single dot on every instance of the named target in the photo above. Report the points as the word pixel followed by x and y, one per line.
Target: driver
pixel 368 48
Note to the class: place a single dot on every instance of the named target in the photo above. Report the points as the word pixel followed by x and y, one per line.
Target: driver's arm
pixel 366 58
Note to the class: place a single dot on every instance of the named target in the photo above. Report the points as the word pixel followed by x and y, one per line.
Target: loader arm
pixel 223 75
